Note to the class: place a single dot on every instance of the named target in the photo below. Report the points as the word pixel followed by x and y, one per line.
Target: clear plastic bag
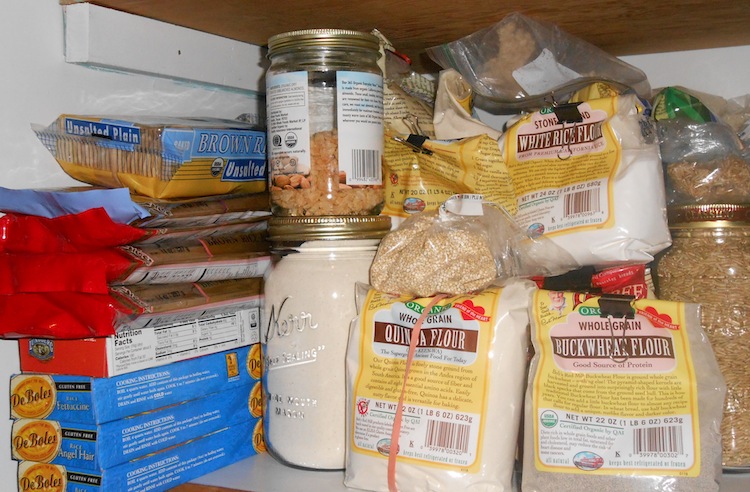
pixel 523 64
pixel 463 247
pixel 703 157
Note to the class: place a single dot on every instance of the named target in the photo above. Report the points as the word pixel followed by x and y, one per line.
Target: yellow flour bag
pixel 463 394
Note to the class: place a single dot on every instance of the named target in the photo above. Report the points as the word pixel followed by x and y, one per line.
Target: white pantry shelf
pixel 262 473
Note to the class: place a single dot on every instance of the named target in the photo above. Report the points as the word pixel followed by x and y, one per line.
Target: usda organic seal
pixel 548 418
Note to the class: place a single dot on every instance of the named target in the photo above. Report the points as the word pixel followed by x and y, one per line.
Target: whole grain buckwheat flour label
pixel 461 406
pixel 617 396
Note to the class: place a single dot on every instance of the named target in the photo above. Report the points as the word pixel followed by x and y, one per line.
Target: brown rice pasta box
pixel 170 235
pixel 170 303
pixel 160 157
pixel 215 258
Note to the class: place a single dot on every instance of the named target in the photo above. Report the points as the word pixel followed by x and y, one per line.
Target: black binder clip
pixel 415 143
pixel 568 113
pixel 617 306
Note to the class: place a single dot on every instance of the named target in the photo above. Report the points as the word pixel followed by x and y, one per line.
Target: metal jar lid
pixel 322 38
pixel 283 229
pixel 709 215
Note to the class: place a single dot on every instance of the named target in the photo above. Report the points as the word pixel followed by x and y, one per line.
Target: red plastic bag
pixel 63 272
pixel 61 315
pixel 86 231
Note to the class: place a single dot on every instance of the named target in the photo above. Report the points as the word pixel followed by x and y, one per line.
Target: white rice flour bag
pixel 462 400
pixel 589 177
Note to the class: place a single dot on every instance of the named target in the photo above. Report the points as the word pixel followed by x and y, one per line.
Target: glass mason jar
pixel 309 304
pixel 709 264
pixel 324 98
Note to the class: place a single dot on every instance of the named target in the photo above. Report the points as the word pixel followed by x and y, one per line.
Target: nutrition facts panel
pixel 135 349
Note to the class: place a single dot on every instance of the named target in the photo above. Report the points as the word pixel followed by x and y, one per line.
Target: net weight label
pixel 429 434
pixel 589 442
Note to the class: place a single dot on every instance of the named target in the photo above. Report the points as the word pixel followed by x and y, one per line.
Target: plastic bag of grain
pixel 466 245
pixel 622 395
pixel 462 399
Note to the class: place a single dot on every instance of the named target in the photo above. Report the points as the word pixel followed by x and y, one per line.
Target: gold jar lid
pixel 709 215
pixel 284 229
pixel 322 38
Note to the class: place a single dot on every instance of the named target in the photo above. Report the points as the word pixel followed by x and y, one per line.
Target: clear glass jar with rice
pixel 709 264
pixel 324 98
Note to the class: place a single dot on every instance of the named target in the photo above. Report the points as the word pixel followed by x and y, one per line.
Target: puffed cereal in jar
pixel 324 93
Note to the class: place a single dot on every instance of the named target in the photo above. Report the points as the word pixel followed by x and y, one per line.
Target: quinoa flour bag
pixel 622 396
pixel 462 399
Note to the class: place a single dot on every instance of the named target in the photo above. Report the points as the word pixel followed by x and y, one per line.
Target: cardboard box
pixel 89 400
pixel 103 446
pixel 134 350
pixel 160 157
pixel 157 472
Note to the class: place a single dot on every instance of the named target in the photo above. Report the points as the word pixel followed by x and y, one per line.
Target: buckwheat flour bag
pixel 462 397
pixel 622 396
pixel 589 176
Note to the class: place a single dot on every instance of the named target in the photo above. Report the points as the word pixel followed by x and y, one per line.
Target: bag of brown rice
pixel 461 401
pixel 622 396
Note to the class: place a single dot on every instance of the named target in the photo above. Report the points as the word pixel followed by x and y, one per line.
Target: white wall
pixel 36 85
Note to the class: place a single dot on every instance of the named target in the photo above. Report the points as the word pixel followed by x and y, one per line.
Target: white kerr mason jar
pixel 324 98
pixel 309 305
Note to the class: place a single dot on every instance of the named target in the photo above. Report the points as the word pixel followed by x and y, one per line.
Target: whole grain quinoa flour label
pixel 613 395
pixel 445 394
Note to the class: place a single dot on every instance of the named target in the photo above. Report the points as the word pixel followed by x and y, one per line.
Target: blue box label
pixel 98 400
pixel 97 447
pixel 159 471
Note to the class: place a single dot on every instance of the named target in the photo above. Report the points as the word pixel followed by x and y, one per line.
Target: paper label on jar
pixel 359 107
pixel 445 394
pixel 613 395
pixel 288 119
